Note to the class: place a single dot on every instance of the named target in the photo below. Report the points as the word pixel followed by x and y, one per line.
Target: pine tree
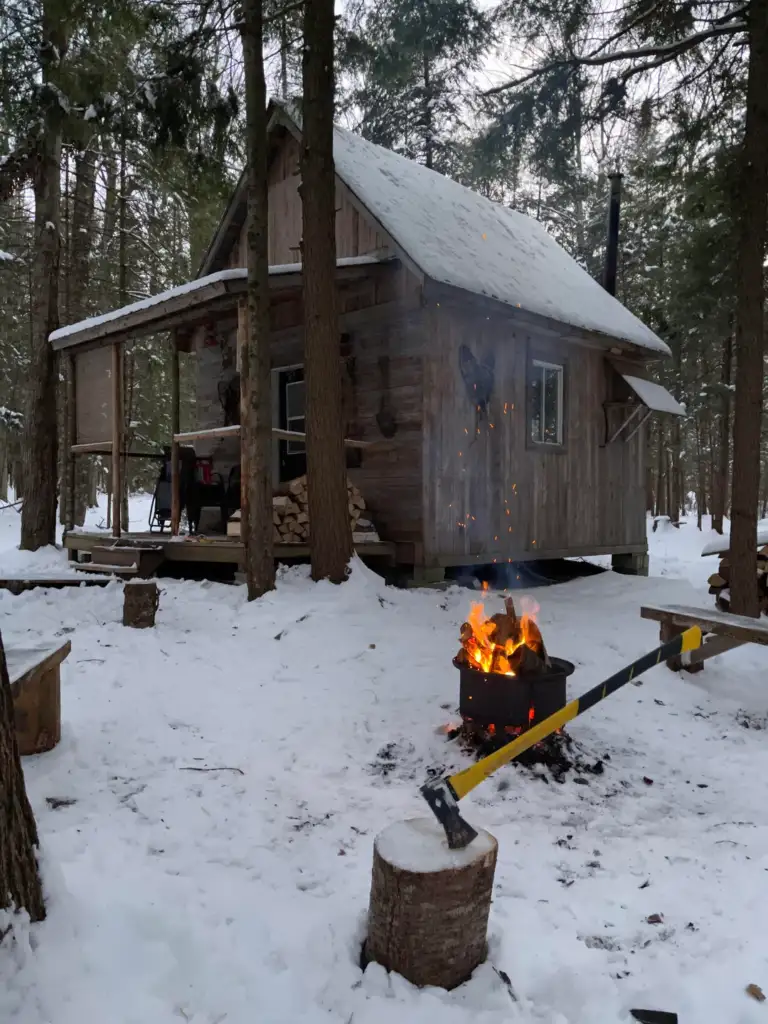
pixel 410 61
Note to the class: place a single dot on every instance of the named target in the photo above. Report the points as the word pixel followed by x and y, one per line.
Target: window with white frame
pixel 294 414
pixel 546 402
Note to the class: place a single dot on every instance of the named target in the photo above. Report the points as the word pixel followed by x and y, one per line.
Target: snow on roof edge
pixel 151 300
pixel 232 274
pixel 654 396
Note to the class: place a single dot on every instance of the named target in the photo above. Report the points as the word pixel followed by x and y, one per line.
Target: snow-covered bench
pixel 725 630
pixel 35 675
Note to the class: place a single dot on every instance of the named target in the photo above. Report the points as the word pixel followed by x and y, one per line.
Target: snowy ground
pixel 239 895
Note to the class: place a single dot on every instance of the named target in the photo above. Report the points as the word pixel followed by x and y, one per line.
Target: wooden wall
pixel 354 235
pixel 491 494
pixel 93 387
pixel 386 405
pixel 446 493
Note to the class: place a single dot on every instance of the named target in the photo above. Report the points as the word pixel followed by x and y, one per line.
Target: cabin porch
pixel 206 316
pixel 226 554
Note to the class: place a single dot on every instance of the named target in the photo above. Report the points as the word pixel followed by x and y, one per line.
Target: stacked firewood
pixel 720 582
pixel 290 515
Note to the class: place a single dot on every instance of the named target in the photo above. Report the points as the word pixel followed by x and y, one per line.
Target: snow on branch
pixel 662 54
pixel 10 419
pixel 17 168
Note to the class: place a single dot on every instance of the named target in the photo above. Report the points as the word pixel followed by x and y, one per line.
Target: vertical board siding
pixel 490 492
pixel 387 367
pixel 355 236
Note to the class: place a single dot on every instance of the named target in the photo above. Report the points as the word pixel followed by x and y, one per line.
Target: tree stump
pixel 428 915
pixel 36 692
pixel 19 876
pixel 140 601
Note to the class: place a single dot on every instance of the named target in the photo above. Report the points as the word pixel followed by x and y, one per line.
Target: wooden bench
pixel 722 632
pixel 35 675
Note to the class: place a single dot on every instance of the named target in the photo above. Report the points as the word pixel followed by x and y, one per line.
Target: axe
pixel 443 795
pixel 444 804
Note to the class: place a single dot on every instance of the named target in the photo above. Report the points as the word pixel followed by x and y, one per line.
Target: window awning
pixel 654 396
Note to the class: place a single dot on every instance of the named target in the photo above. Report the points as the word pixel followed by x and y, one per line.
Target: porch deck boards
pixel 208 549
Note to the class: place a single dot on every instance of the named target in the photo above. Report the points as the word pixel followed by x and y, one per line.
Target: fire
pixel 498 644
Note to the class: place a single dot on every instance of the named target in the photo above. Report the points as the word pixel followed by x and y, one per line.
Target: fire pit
pixel 508 682
pixel 516 703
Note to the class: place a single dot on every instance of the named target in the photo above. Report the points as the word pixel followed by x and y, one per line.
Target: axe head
pixel 444 805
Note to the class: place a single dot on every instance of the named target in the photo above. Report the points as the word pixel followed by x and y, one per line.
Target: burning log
pixel 501 643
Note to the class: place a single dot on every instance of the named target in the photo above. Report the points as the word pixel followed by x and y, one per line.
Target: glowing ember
pixel 503 643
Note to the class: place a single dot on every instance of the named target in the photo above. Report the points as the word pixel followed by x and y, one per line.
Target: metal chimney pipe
pixel 612 246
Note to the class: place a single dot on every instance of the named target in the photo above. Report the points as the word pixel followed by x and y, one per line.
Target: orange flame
pixel 479 639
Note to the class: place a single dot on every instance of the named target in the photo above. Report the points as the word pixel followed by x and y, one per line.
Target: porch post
pixel 242 359
pixel 175 428
pixel 117 433
pixel 70 434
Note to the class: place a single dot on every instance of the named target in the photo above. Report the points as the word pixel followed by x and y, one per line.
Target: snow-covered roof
pixel 188 288
pixel 457 237
pixel 149 311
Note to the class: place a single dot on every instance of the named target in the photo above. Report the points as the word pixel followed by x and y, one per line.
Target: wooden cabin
pixel 495 395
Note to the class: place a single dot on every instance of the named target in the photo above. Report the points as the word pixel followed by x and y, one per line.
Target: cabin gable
pixel 356 233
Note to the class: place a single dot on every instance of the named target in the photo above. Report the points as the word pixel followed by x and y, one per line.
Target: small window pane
pixel 546 403
pixel 294 415
pixel 552 428
pixel 537 393
pixel 294 399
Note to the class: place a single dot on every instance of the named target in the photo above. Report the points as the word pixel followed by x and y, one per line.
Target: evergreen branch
pixel 663 55
pixel 626 29
pixel 17 168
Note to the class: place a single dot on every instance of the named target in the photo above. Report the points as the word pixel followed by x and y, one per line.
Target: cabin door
pixel 292 456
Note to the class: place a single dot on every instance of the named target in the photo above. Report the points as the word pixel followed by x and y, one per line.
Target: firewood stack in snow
pixel 720 582
pixel 290 516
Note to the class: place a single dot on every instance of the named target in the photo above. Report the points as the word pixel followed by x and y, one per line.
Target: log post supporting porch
pixel 175 427
pixel 242 347
pixel 117 433
pixel 70 435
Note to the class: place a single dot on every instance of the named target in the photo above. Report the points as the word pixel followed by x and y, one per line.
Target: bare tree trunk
pixel 720 482
pixel 38 517
pixel 4 465
pixel 330 538
pixel 700 477
pixel 20 886
pixel 663 489
pixel 126 355
pixel 256 402
pixel 750 340
pixel 284 57
pixel 674 470
pixel 65 392
pixel 79 277
pixel 428 120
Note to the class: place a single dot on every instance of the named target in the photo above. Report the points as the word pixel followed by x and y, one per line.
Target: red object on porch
pixel 205 470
